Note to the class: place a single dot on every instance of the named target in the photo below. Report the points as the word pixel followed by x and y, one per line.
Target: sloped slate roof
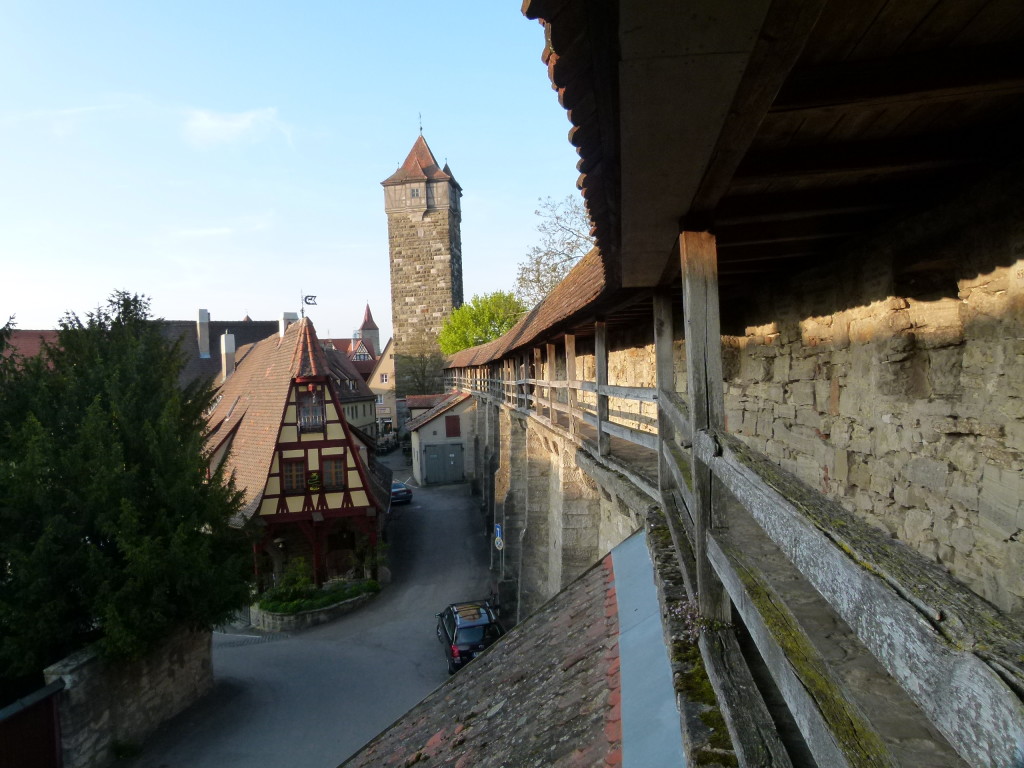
pixel 532 699
pixel 448 403
pixel 196 367
pixel 589 281
pixel 425 401
pixel 347 371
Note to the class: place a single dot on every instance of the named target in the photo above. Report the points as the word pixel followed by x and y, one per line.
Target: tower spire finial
pixel 421 123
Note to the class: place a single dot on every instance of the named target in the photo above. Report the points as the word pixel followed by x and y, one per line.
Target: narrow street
pixel 311 699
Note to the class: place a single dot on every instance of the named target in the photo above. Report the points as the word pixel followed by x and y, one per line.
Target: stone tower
pixel 422 203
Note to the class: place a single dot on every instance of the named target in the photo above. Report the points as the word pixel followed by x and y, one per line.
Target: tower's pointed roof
pixel 368 324
pixel 418 166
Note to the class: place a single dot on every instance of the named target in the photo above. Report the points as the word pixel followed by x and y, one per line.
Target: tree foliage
pixel 110 530
pixel 482 319
pixel 564 239
pixel 419 373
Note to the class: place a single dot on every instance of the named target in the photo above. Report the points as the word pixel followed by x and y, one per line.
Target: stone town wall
pixel 105 706
pixel 899 390
pixel 426 276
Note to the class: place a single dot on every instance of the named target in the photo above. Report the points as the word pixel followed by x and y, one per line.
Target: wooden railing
pixel 959 659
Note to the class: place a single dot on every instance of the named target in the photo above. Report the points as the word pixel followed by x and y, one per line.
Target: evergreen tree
pixel 110 529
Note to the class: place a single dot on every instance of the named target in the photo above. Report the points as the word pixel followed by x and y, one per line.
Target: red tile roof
pixel 29 343
pixel 420 165
pixel 449 402
pixel 536 697
pixel 368 324
pixel 591 280
pixel 424 401
pixel 250 404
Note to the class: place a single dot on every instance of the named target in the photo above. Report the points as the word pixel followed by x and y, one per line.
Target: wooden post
pixel 538 376
pixel 601 369
pixel 664 367
pixel 550 375
pixel 570 376
pixel 699 257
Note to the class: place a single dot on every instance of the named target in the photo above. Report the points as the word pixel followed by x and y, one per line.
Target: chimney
pixel 203 333
pixel 287 318
pixel 227 355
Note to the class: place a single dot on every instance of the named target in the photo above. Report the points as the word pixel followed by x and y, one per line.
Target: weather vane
pixel 307 300
pixel 421 123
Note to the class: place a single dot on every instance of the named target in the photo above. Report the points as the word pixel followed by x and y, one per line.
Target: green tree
pixel 110 529
pixel 564 239
pixel 481 320
pixel 419 373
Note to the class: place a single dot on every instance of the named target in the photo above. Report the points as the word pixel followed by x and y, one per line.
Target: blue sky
pixel 228 155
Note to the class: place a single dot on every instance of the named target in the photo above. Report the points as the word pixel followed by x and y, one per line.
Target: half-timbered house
pixel 278 425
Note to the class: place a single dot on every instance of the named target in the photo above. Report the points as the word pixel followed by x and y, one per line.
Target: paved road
pixel 311 699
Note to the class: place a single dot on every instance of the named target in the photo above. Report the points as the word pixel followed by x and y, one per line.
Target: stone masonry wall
pixel 897 386
pixel 426 276
pixel 105 705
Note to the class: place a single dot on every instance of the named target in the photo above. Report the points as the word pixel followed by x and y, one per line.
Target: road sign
pixel 499 541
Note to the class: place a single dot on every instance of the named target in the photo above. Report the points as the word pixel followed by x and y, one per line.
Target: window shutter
pixel 452 428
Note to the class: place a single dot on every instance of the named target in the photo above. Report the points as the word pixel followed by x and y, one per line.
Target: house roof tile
pixel 419 165
pixel 590 281
pixel 568 692
pixel 449 402
pixel 250 403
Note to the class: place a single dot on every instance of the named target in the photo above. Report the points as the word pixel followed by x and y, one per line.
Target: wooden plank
pixel 675 408
pixel 570 376
pixel 664 375
pixel 936 656
pixel 601 370
pixel 549 374
pixel 754 736
pixel 644 394
pixel 802 675
pixel 699 263
pixel 947 75
pixel 614 429
pixel 783 35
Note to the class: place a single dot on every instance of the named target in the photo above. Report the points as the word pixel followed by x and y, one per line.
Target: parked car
pixel 465 629
pixel 400 493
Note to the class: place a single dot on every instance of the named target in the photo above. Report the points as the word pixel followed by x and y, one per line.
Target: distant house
pixel 440 436
pixel 382 384
pixel 363 349
pixel 278 425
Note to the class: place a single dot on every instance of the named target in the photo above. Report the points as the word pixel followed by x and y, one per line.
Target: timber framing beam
pixel 699 263
pixel 935 77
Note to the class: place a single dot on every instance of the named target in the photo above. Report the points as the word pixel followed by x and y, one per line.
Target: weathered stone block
pixel 999 505
pixel 931 473
pixel 801 393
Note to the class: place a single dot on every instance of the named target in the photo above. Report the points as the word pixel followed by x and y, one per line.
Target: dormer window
pixel 310 410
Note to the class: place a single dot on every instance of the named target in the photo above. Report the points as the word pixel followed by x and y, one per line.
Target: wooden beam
pixel 665 379
pixel 601 368
pixel 934 77
pixel 699 262
pixel 570 375
pixel 782 38
pixel 859 159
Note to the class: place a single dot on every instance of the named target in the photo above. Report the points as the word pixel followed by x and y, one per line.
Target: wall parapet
pixel 106 706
